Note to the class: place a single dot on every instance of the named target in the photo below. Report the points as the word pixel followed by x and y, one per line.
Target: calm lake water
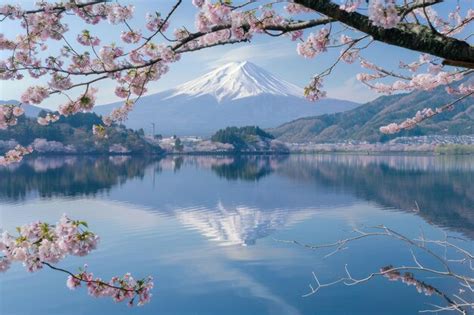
pixel 206 229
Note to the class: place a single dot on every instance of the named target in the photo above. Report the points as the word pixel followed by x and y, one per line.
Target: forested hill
pixel 363 122
pixel 73 135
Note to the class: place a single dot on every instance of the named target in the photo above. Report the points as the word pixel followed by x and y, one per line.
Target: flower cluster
pixel 463 89
pixel 349 55
pixel 86 39
pixel 313 91
pixel 13 156
pixel 60 82
pixel 131 37
pixel 41 244
pixel 154 22
pixel 453 25
pixel 83 103
pixel 383 13
pixel 9 115
pixel 409 279
pixel 34 95
pixel 421 81
pixel 410 122
pixel 118 288
pixel 198 3
pixel 119 114
pixel 350 5
pixel 314 44
pixel 46 120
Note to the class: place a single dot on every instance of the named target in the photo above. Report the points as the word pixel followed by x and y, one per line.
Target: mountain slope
pixel 237 94
pixel 363 122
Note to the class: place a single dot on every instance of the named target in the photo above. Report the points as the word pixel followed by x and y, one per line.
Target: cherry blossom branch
pixel 421 116
pixel 58 8
pixel 41 244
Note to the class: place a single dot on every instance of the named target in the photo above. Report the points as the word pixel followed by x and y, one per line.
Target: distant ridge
pixel 236 94
pixel 363 122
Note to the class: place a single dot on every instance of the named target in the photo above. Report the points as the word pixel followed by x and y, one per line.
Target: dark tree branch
pixel 406 35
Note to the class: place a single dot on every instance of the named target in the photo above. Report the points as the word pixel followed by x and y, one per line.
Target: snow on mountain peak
pixel 237 80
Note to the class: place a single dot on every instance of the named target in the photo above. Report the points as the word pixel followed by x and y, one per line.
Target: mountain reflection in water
pixel 441 186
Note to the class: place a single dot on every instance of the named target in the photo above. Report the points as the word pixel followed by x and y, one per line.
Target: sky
pixel 275 54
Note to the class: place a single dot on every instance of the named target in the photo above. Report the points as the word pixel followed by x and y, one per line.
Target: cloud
pixel 352 90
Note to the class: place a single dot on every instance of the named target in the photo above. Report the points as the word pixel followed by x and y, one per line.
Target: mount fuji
pixel 236 94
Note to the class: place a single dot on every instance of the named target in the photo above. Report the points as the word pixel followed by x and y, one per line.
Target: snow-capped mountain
pixel 236 94
pixel 235 81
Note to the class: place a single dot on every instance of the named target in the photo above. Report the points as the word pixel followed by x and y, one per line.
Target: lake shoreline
pixel 262 153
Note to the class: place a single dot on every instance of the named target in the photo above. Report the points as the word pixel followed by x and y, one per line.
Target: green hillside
pixel 363 122
pixel 76 132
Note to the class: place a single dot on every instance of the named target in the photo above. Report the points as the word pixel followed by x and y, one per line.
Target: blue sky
pixel 277 55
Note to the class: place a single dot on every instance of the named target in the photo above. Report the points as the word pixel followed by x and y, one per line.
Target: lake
pixel 209 229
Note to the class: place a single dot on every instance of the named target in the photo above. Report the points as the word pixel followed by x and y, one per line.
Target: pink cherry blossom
pixel 314 44
pixel 15 155
pixel 198 3
pixel 131 37
pixel 350 5
pixel 383 13
pixel 34 95
pixel 86 39
pixel 41 244
pixel 313 91
pixel 155 22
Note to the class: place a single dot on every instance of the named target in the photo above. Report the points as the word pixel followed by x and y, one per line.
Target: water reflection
pixel 249 168
pixel 439 187
pixel 244 212
pixel 68 176
pixel 238 225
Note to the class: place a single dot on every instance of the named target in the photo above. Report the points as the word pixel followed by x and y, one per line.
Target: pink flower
pixel 121 91
pixel 383 13
pixel 86 39
pixel 313 91
pixel 314 44
pixel 60 82
pixel 117 13
pixel 350 5
pixel 35 95
pixel 155 22
pixel 72 283
pixel 131 36
pixel 18 111
pixel 198 3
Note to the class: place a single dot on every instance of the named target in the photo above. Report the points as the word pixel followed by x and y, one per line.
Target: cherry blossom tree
pixel 144 54
pixel 40 244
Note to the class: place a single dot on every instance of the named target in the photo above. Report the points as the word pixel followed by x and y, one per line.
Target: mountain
pixel 236 94
pixel 30 110
pixel 363 122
